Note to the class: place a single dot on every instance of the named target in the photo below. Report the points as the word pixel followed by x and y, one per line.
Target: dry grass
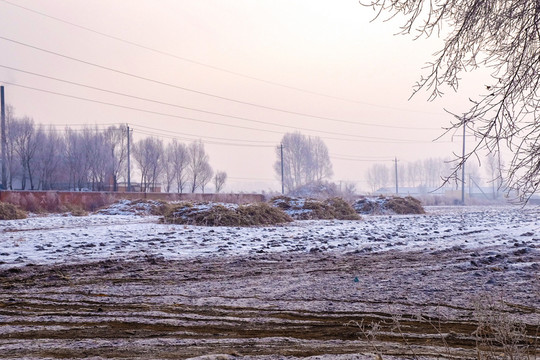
pixel 312 209
pixel 75 210
pixel 389 205
pixel 497 334
pixel 11 212
pixel 406 205
pixel 208 214
pixel 51 202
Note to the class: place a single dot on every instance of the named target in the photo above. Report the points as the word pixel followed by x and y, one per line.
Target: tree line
pixel 45 158
pixel 432 173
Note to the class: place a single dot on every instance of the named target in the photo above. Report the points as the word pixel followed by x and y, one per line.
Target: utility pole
pixel 128 161
pixel 282 178
pixel 463 161
pixel 3 137
pixel 463 167
pixel 397 188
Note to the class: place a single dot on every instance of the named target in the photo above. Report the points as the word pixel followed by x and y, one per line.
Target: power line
pixel 44 128
pixel 356 160
pixel 356 137
pixel 363 157
pixel 213 67
pixel 208 137
pixel 191 90
pixel 250 179
pixel 159 135
pixel 185 107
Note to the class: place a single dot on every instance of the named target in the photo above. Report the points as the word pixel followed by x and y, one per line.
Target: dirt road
pixel 396 304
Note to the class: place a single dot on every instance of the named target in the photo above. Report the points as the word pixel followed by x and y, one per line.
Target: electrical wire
pixel 188 89
pixel 185 107
pixel 207 137
pixel 161 52
pixel 357 160
pixel 354 138
pixel 164 136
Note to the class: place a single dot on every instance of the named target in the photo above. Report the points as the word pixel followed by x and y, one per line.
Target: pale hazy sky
pixel 237 59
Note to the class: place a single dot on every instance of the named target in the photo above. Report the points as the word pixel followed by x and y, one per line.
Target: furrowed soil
pixel 425 305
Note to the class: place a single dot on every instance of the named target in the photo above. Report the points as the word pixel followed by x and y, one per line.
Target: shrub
pixel 211 214
pixel 11 212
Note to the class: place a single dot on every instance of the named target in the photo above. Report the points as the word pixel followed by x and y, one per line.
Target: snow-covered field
pixel 65 239
pixel 125 286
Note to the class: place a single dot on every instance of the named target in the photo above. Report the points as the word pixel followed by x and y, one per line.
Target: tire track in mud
pixel 288 305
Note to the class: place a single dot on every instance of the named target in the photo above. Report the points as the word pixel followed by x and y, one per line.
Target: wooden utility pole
pixel 128 161
pixel 397 188
pixel 463 168
pixel 282 178
pixel 3 137
pixel 463 162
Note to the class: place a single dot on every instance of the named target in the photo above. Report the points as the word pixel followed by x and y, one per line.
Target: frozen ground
pixel 126 287
pixel 60 239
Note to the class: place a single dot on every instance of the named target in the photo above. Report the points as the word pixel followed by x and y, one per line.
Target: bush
pixel 212 214
pixel 11 212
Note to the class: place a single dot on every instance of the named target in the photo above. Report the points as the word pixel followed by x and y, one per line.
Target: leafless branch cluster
pixel 504 36
pixel 305 160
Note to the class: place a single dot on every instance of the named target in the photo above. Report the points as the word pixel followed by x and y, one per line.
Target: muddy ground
pixel 425 305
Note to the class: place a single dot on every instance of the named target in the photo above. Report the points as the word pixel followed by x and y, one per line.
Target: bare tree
pixel 49 160
pixel 148 153
pixel 14 167
pixel 76 160
pixel 116 142
pixel 219 180
pixel 25 145
pixel 305 160
pixel 319 166
pixel 97 157
pixel 377 176
pixel 177 163
pixel 501 35
pixel 205 176
pixel 348 191
pixel 198 166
